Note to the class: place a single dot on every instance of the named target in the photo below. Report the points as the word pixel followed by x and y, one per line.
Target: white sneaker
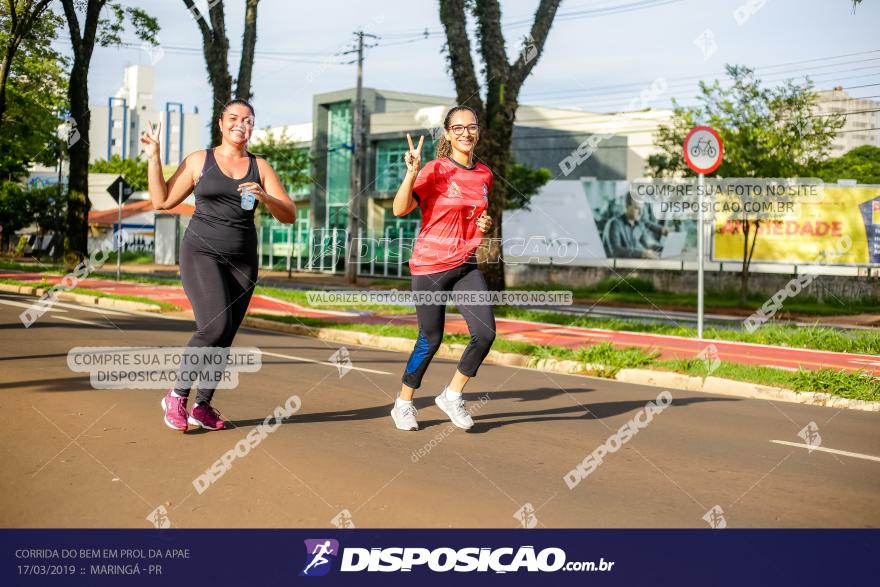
pixel 405 417
pixel 456 410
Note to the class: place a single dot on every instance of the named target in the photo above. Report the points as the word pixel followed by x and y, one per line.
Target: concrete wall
pixel 677 281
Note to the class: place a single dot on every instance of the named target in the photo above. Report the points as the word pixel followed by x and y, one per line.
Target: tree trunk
pixel 215 47
pixel 498 112
pixel 748 251
pixel 221 87
pixel 83 42
pixel 248 45
pixel 5 67
pixel 76 239
pixel 493 151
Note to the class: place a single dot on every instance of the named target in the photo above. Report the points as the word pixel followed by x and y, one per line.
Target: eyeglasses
pixel 471 128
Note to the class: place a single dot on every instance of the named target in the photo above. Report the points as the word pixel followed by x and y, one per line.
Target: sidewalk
pixel 670 347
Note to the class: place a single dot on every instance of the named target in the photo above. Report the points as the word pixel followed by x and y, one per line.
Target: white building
pixel 862 125
pixel 116 126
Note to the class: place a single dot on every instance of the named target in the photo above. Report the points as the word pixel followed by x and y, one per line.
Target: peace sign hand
pixel 413 158
pixel 150 140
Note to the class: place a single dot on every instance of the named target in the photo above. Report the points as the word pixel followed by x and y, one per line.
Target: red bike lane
pixel 669 347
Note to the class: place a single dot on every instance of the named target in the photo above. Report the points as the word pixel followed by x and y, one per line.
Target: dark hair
pixel 630 200
pixel 237 101
pixel 444 148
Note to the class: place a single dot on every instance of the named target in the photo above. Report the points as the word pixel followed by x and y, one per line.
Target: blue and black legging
pixel 479 318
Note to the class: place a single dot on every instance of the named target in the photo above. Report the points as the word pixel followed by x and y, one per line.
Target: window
pixel 390 167
pixel 339 126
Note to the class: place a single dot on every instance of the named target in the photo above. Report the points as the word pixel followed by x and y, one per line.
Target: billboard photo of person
pixel 629 236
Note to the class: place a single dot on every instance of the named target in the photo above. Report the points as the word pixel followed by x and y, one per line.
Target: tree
pixel 861 164
pixel 290 162
pixel 767 132
pixel 134 170
pixel 83 36
pixel 524 182
pixel 47 207
pixel 215 46
pixel 35 96
pixel 13 210
pixel 497 111
pixel 19 18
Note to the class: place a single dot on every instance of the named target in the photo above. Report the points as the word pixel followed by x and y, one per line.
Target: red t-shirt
pixel 451 198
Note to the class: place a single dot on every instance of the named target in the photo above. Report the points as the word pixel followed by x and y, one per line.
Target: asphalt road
pixel 74 456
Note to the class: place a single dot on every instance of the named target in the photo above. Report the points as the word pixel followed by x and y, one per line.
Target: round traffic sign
pixel 703 149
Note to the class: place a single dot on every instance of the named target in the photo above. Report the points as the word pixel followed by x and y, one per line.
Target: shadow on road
pixel 484 422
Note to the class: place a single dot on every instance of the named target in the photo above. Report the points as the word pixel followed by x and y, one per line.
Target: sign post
pixel 120 190
pixel 703 150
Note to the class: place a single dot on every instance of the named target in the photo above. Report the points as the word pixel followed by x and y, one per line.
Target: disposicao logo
pixel 320 554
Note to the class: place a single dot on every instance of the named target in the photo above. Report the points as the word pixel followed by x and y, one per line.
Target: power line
pixel 635 86
pixel 586 117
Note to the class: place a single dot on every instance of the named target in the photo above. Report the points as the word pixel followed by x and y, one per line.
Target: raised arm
pixel 404 203
pixel 166 195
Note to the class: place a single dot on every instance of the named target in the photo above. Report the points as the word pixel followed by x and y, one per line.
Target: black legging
pixel 219 287
pixel 479 318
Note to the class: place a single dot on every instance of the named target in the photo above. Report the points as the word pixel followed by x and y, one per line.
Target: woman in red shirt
pixel 452 192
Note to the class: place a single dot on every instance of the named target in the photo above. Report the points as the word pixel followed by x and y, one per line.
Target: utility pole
pixel 358 163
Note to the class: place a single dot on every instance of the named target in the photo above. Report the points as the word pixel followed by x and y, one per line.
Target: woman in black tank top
pixel 218 257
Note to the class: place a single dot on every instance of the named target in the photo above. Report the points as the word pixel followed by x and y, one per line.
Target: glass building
pixel 542 138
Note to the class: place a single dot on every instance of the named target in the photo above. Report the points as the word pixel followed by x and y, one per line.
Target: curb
pixel 714 385
pixel 82 298
pixel 668 379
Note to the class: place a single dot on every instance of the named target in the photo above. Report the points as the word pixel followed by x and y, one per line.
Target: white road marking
pixel 571 332
pixel 78 321
pixel 831 450
pixel 295 358
pixel 91 308
pixel 34 304
pixel 57 305
pixel 865 362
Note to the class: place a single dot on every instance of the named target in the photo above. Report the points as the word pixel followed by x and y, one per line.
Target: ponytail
pixel 444 148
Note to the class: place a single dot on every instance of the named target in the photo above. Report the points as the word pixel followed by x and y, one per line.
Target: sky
pixel 600 55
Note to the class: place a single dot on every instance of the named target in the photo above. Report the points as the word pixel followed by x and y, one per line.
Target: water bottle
pixel 247 200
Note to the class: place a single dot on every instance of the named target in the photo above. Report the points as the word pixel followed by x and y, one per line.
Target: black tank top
pixel 219 222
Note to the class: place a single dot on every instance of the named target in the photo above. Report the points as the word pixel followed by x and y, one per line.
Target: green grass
pixel 31 267
pixel 609 360
pixel 848 384
pixel 300 297
pixel 42 283
pixel 92 292
pixel 131 258
pixel 134 278
pixel 613 359
pixel 642 292
pixel 807 337
pixel 100 294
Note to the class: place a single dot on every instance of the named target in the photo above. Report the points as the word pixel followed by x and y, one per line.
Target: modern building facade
pixel 117 124
pixel 543 137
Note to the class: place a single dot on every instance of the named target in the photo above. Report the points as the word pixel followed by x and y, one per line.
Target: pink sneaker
pixel 206 416
pixel 175 411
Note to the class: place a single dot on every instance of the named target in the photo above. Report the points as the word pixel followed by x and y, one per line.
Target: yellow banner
pixel 842 228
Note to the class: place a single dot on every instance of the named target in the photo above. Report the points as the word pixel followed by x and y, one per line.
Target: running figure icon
pixel 319 552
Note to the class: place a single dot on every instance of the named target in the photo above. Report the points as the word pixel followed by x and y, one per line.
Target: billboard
pixel 596 220
pixel 812 233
